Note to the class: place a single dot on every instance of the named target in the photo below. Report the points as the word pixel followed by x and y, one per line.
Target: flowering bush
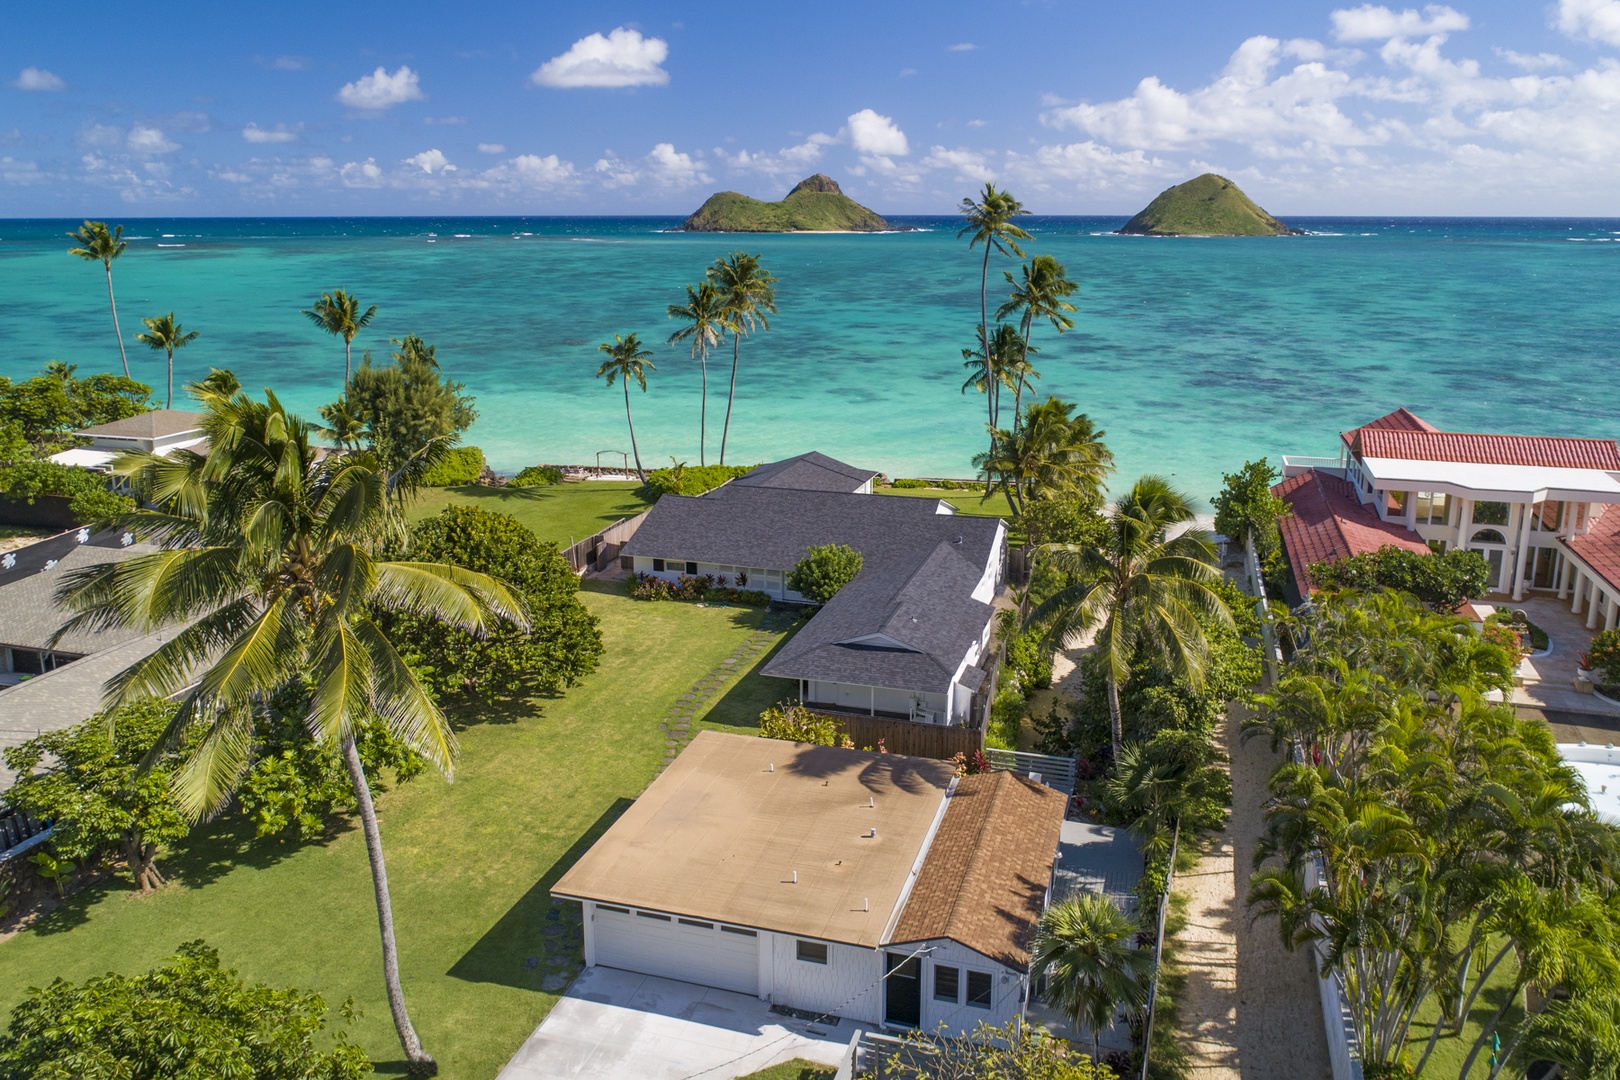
pixel 795 723
pixel 699 587
pixel 971 764
pixel 1604 657
pixel 1507 639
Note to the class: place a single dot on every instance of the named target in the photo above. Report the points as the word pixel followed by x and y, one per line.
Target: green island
pixel 1207 205
pixel 816 204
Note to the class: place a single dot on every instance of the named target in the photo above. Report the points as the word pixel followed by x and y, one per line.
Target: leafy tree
pixel 456 467
pixel 627 360
pixel 1441 580
pixel 706 319
pixel 98 244
pixel 1063 517
pixel 339 314
pixel 271 555
pixel 89 498
pixel 990 222
pixel 96 793
pixel 1040 293
pixel 187 1019
pixel 1053 453
pixel 164 334
pixel 1015 1052
pixel 1247 509
pixel 48 408
pixel 824 570
pixel 412 414
pixel 748 293
pixel 1093 968
pixel 561 644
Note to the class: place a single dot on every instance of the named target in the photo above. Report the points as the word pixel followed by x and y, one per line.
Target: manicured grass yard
pixel 469 862
pixel 1450 1051
pixel 967 502
pixel 560 513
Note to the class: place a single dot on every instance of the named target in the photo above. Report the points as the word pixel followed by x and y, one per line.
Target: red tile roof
pixel 1400 420
pixel 1329 523
pixel 1537 450
pixel 1599 547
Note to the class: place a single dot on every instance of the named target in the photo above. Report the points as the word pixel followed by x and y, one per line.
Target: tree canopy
pixel 824 570
pixel 407 403
pixel 1441 581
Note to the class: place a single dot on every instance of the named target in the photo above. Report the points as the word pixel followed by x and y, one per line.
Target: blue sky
pixel 1080 107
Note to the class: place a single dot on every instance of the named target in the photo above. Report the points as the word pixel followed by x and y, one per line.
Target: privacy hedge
pixel 463 465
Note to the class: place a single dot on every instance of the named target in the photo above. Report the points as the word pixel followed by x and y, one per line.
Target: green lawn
pixel 469 862
pixel 797 1069
pixel 560 513
pixel 1450 1051
pixel 967 502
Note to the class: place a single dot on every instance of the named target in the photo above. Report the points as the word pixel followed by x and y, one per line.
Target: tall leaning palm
pixel 1040 293
pixel 1092 967
pixel 1140 589
pixel 98 244
pixel 707 321
pixel 627 360
pixel 990 222
pixel 746 289
pixel 339 314
pixel 167 335
pixel 268 564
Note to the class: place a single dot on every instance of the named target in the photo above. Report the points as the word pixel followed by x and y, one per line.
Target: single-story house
pixel 159 431
pixel 909 637
pixel 875 887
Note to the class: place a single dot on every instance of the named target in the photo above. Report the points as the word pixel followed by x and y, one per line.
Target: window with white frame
pixel 1433 508
pixel 979 992
pixel 812 952
pixel 947 983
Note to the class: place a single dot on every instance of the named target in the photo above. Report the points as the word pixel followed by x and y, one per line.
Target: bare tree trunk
pixel 633 450
pixel 168 401
pixel 141 858
pixel 419 1061
pixel 1116 722
pixel 348 351
pixel 703 409
pixel 116 329
pixel 736 347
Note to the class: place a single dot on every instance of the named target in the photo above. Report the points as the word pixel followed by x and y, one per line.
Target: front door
pixel 902 990
pixel 1497 558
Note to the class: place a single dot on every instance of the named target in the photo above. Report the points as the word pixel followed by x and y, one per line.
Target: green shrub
pixel 1440 581
pixel 537 476
pixel 90 498
pixel 1029 657
pixel 460 466
pixel 824 570
pixel 795 723
pixel 905 484
pixel 1006 719
pixel 1604 656
pixel 683 479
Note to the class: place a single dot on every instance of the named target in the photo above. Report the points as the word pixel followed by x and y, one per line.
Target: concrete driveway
pixel 617 1024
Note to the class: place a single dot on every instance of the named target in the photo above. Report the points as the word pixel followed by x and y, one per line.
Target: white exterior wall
pixel 849 984
pixel 1008 989
pixel 853 698
pixel 766 581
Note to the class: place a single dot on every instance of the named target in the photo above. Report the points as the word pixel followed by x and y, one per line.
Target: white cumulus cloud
pixel 149 140
pixel 1598 20
pixel 33 78
pixel 874 135
pixel 1371 22
pixel 622 58
pixel 1533 61
pixel 364 174
pixel 380 90
pixel 491 148
pixel 432 162
pixel 531 171
pixel 281 133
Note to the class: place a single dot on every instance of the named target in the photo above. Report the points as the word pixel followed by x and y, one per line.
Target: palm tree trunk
pixel 1018 387
pixel 116 330
pixel 703 409
pixel 168 401
pixel 420 1062
pixel 1116 723
pixel 736 347
pixel 990 388
pixel 348 349
pixel 636 453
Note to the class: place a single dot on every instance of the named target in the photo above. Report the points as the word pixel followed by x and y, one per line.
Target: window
pixel 1433 508
pixel 696 922
pixel 691 569
pixel 739 931
pixel 1491 513
pixel 978 989
pixel 812 952
pixel 658 566
pixel 947 984
pixel 1546 516
pixel 1397 504
pixel 652 915
pixel 610 907
pixel 1489 536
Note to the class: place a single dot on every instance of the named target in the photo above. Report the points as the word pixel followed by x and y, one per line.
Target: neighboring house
pixel 1532 506
pixel 909 637
pixel 156 432
pixel 875 887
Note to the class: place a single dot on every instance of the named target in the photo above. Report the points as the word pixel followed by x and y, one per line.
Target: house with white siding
pixel 877 888
pixel 910 637
pixel 158 431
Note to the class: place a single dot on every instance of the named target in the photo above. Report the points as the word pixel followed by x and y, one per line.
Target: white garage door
pixel 691 950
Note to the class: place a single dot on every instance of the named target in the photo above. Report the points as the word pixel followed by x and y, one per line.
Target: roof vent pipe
pixel 771 767
pixel 871 802
pixel 873 834
pixel 795 877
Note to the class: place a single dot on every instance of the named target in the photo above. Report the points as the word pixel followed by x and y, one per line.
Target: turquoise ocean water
pixel 1192 354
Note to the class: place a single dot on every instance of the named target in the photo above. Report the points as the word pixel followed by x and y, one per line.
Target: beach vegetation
pixel 99 244
pixel 990 221
pixel 456 467
pixel 748 292
pixel 537 476
pixel 1006 366
pixel 824 570
pixel 1040 292
pixel 412 415
pixel 1443 581
pixel 190 1017
pixel 338 313
pixel 1053 453
pixel 627 361
pixel 164 335
pixel 1085 947
pixel 680 478
pixel 705 321
pixel 271 570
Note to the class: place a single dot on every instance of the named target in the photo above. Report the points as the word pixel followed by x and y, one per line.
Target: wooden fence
pixel 906 736
pixel 599 550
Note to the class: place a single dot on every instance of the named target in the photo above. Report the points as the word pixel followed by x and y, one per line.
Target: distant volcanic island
pixel 814 205
pixel 1209 205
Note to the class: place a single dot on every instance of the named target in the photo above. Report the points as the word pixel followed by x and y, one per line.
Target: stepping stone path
pixel 677 726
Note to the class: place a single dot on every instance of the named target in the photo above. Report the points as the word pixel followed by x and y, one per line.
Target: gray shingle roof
pixel 807 472
pixel 29 615
pixel 156 424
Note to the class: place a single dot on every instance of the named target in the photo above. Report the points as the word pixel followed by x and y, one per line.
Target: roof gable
pixel 1327 522
pixel 1599 546
pixel 1402 419
pixel 807 472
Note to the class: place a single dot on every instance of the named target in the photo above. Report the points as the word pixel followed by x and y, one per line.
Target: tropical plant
pixel 746 290
pixel 188 1018
pixel 456 467
pixel 680 478
pixel 1441 580
pixel 90 500
pixel 707 321
pixel 537 476
pixel 52 405
pixel 1018 1051
pixel 269 560
pixel 53 868
pixel 1052 454
pixel 98 244
pixel 413 415
pixel 344 425
pixel 1140 587
pixel 1039 293
pixel 795 722
pixel 339 314
pixel 1005 366
pixel 990 222
pixel 824 570
pixel 1093 969
pixel 627 360
pixel 163 333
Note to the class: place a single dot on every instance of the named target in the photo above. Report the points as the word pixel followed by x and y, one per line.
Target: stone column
pixel 1465 510
pixel 1564 568
pixel 1520 555
pixel 1579 590
pixel 1594 608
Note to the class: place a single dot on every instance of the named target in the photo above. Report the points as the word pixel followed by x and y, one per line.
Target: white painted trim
pixel 916 867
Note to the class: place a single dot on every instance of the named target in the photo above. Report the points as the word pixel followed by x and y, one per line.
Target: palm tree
pixel 708 320
pixel 990 222
pixel 338 313
pixel 746 292
pixel 1092 968
pixel 97 244
pixel 1040 295
pixel 268 562
pixel 1142 588
pixel 1052 451
pixel 1005 365
pixel 344 425
pixel 166 334
pixel 627 360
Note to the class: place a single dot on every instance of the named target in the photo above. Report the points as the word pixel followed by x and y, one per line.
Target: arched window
pixel 1489 536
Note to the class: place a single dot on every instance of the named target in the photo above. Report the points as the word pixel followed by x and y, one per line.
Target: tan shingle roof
pixel 985 878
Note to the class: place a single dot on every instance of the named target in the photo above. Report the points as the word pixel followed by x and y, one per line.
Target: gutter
pixel 916 866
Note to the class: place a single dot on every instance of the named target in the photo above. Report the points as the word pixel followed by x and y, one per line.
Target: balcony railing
pixel 1293 465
